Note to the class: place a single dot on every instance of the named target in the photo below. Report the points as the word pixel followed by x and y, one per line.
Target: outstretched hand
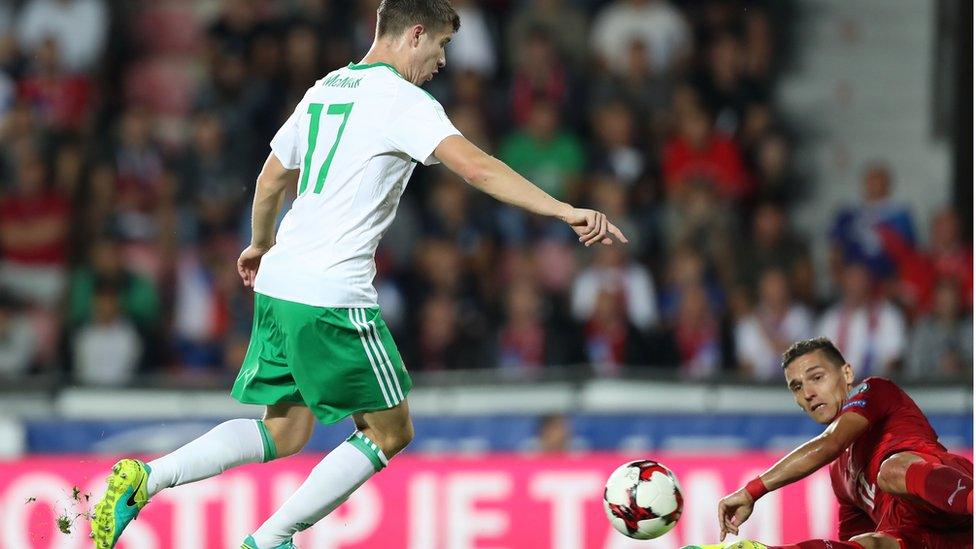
pixel 248 263
pixel 733 510
pixel 592 227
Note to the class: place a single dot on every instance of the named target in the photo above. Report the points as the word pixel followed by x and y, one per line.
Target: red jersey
pixel 896 424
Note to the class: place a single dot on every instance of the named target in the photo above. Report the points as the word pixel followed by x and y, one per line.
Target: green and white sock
pixel 227 445
pixel 329 484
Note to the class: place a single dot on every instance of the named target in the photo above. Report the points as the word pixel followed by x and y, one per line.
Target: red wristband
pixel 756 488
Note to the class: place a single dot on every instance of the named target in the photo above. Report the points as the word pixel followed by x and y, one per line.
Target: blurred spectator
pixel 774 180
pixel 563 22
pixel 724 87
pixel 236 26
pixel 953 258
pixel 522 336
pixel 611 341
pixel 545 152
pixel 554 434
pixel 614 273
pixel 697 334
pixel 649 93
pixel 34 225
pixel 942 342
pixel 440 343
pixel 946 258
pixel 777 322
pixel 231 98
pixel 302 62
pixel 616 147
pixel 141 178
pixel 655 23
pixel 212 178
pixel 698 153
pixel 870 332
pixel 137 296
pixel 539 77
pixel 107 350
pixel 472 48
pixel 18 343
pixel 759 45
pixel 858 231
pixel 773 244
pixel 470 121
pixel 700 219
pixel 686 269
pixel 202 317
pixel 61 100
pixel 79 28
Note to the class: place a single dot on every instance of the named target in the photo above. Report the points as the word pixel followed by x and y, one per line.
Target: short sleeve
pixel 419 129
pixel 871 398
pixel 285 144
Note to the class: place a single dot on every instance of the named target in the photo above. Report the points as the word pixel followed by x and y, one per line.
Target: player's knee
pixel 876 541
pixel 289 437
pixel 395 441
pixel 891 475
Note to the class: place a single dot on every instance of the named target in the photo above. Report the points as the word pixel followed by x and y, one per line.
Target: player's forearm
pixel 264 212
pixel 498 180
pixel 801 462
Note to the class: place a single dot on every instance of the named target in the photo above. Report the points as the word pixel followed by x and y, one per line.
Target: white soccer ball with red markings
pixel 643 499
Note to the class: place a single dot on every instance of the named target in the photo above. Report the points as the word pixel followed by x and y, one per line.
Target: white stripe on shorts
pixel 386 357
pixel 385 365
pixel 369 355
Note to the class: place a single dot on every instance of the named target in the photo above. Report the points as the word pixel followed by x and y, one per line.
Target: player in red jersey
pixel 898 488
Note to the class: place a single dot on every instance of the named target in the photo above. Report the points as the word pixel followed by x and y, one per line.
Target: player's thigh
pixel 957 462
pixel 345 363
pixel 290 426
pixel 877 541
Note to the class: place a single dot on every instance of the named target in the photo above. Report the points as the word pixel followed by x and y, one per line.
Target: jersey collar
pixel 362 66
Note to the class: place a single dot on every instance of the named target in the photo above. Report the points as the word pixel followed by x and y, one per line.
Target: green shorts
pixel 336 361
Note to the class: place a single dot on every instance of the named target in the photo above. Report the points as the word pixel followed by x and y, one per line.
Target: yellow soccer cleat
pixel 126 495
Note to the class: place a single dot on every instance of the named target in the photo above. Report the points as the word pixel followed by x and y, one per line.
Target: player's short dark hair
pixel 807 346
pixel 393 16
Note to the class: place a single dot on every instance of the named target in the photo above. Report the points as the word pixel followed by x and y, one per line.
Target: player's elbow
pixel 891 474
pixel 478 171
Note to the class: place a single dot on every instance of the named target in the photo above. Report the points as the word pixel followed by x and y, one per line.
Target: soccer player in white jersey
pixel 319 348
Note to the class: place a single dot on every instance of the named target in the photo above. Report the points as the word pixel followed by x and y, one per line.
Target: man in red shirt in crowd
pixel 898 488
pixel 34 226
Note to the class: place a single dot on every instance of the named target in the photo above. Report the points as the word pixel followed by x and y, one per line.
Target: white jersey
pixel 356 137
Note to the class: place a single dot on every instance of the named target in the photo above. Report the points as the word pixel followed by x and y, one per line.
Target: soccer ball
pixel 643 499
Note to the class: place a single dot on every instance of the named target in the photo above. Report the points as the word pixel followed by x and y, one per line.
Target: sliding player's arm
pixel 492 176
pixel 269 195
pixel 735 508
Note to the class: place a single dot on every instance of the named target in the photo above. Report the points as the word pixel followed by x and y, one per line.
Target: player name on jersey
pixel 335 81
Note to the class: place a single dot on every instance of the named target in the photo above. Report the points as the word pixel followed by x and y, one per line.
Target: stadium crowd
pixel 133 132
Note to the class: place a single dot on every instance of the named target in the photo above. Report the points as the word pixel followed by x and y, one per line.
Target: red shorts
pixel 918 525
